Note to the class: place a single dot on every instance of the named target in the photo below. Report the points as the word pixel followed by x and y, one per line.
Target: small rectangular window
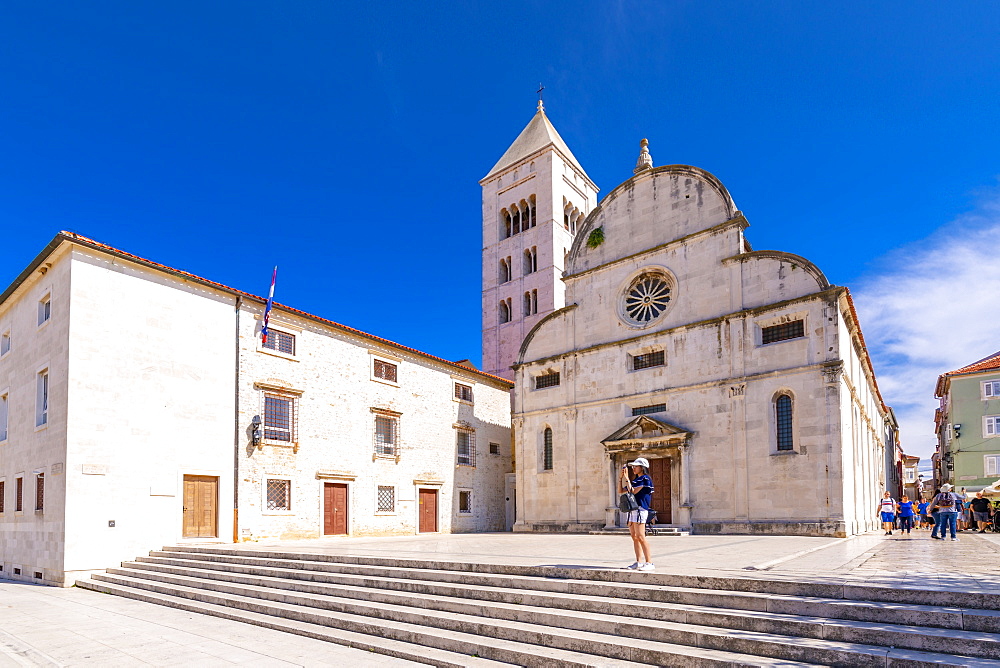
pixel 4 343
pixel 18 494
pixel 3 494
pixel 465 502
pixel 991 389
pixel 42 398
pixel 386 432
pixel 646 410
pixel 281 342
pixel 648 360
pixel 783 332
pixel 385 371
pixel 40 492
pixel 279 417
pixel 386 499
pixel 463 392
pixel 494 448
pixel 279 495
pixel 44 309
pixel 992 425
pixel 466 448
pixel 991 465
pixel 547 380
pixel 4 412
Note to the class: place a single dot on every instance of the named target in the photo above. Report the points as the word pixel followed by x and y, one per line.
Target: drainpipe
pixel 236 434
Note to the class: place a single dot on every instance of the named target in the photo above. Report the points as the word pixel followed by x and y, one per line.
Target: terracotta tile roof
pixel 985 364
pixel 97 245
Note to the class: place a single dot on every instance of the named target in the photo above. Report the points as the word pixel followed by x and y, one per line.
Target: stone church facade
pixel 741 375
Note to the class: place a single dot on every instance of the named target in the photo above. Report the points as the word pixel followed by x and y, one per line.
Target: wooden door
pixel 334 509
pixel 201 506
pixel 428 510
pixel 659 471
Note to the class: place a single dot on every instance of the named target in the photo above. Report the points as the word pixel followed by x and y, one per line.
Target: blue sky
pixel 344 142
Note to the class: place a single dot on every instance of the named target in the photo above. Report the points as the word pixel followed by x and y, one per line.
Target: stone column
pixel 611 512
pixel 684 459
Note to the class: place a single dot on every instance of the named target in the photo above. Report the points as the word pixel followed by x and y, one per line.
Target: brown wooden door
pixel 428 510
pixel 659 471
pixel 201 506
pixel 334 509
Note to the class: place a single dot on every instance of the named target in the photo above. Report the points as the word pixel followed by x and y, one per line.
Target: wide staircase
pixel 462 614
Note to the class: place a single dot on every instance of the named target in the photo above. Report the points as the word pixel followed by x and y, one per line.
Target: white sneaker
pixel 634 567
pixel 647 567
pixel 955 539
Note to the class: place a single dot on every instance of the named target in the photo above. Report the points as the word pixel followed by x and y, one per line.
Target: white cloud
pixel 931 308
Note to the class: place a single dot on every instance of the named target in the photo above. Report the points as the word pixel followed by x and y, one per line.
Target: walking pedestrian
pixel 981 511
pixel 905 508
pixel 886 509
pixel 925 516
pixel 641 486
pixel 947 504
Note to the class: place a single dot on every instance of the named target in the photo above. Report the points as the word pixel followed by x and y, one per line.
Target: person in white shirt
pixel 886 509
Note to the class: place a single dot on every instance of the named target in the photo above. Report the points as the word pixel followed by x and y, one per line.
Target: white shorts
pixel 638 516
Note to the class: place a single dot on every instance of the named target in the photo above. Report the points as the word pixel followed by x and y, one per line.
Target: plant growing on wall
pixel 596 238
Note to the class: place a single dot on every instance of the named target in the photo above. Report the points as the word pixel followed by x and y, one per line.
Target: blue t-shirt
pixel 922 508
pixel 643 496
pixel 906 508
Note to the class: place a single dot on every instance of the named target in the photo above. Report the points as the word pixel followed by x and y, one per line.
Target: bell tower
pixel 534 200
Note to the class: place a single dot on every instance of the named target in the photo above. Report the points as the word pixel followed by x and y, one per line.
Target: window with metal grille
pixel 18 494
pixel 279 417
pixel 783 415
pixel 783 332
pixel 281 342
pixel 646 410
pixel 386 499
pixel 40 491
pixel 385 371
pixel 463 392
pixel 3 495
pixel 386 432
pixel 494 448
pixel 547 380
pixel 279 494
pixel 466 447
pixel 648 360
pixel 465 502
pixel 547 450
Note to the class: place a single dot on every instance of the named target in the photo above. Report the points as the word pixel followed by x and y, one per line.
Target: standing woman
pixel 905 514
pixel 887 511
pixel 641 486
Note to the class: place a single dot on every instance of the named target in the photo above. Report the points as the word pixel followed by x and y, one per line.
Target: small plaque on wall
pixel 57 469
pixel 94 469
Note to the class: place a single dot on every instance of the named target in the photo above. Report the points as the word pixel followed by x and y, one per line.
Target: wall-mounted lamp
pixel 256 434
pixel 958 430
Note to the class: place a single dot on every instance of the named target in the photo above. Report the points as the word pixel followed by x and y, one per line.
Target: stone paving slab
pixel 51 626
pixel 48 626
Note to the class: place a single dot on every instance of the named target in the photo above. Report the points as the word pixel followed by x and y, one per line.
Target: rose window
pixel 647 299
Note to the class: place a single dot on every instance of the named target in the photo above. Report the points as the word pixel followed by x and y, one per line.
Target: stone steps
pixel 551 616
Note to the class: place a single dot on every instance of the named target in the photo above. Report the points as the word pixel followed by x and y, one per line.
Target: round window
pixel 646 299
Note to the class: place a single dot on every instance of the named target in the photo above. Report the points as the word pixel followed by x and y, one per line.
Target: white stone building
pixel 127 390
pixel 741 375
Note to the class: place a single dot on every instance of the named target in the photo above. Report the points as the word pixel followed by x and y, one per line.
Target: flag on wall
pixel 267 309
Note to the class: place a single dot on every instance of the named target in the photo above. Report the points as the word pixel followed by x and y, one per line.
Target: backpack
pixel 945 500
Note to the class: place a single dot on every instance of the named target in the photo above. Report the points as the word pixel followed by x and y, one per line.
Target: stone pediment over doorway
pixel 644 432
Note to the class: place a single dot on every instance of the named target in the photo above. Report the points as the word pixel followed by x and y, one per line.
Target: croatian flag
pixel 267 309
